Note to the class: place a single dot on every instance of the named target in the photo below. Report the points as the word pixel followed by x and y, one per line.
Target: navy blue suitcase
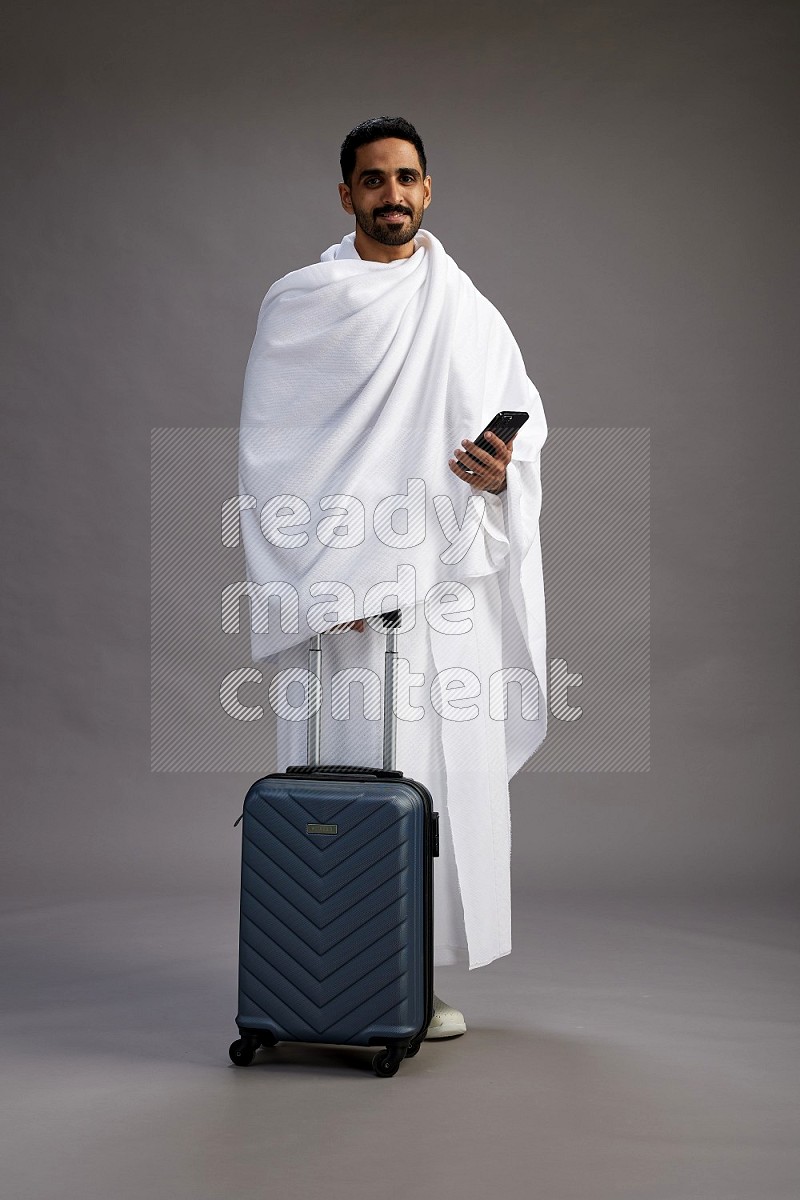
pixel 336 919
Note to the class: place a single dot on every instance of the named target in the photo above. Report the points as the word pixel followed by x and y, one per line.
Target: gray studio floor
pixel 622 1050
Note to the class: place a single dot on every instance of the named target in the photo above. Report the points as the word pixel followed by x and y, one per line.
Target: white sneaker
pixel 446 1022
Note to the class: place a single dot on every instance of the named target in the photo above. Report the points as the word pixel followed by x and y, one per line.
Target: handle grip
pixel 391 621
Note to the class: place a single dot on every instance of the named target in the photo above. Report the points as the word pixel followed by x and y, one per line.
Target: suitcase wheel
pixel 413 1049
pixel 387 1062
pixel 243 1051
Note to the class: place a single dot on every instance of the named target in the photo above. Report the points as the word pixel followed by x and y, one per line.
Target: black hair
pixel 372 131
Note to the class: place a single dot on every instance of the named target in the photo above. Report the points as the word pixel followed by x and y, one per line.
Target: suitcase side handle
pixel 390 620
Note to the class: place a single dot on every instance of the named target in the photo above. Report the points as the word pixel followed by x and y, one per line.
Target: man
pixel 370 376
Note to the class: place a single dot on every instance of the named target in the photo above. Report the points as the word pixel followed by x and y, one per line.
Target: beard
pixel 389 235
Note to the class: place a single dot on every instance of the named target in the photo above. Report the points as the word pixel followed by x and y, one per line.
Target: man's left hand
pixel 488 474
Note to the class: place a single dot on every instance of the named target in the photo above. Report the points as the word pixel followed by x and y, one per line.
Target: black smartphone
pixel 505 424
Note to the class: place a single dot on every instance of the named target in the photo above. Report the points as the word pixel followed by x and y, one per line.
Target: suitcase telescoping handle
pixel 390 620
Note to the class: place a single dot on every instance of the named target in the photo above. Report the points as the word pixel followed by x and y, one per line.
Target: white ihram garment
pixel 362 376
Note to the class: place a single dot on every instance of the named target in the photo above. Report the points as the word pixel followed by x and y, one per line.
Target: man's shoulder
pixel 485 306
pixel 301 279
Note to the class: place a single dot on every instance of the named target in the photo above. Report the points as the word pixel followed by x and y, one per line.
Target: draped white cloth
pixel 362 379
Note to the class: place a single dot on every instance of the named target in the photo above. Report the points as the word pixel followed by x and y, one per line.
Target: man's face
pixel 387 194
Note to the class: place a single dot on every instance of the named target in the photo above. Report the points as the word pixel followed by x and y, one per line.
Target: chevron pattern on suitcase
pixel 332 927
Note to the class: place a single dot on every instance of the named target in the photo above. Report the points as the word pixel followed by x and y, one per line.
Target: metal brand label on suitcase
pixel 315 827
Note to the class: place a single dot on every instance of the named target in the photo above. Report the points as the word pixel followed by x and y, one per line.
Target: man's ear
pixel 344 196
pixel 427 184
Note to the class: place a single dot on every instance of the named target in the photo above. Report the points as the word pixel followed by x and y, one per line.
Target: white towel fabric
pixel 362 379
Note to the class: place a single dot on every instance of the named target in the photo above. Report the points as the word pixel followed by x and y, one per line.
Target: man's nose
pixel 393 194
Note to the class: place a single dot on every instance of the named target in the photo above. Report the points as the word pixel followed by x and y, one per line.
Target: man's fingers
pixel 482 469
pixel 476 479
pixel 483 456
pixel 504 448
pixel 479 462
pixel 477 474
pixel 459 469
pixel 490 468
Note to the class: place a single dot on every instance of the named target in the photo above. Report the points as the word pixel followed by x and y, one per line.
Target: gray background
pixel 616 178
pixel 620 180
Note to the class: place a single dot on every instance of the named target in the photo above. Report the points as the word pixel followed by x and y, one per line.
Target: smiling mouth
pixel 393 216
